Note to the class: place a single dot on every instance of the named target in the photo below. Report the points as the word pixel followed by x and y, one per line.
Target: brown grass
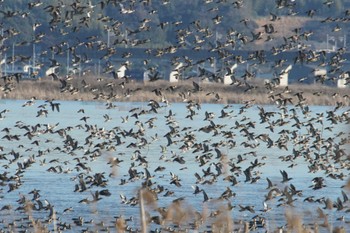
pixel 180 217
pixel 284 28
pixel 112 90
pixel 285 25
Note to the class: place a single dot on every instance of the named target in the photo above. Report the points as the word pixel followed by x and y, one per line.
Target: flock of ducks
pixel 209 157
pixel 153 148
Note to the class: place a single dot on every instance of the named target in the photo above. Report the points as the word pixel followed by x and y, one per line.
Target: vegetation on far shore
pixel 90 88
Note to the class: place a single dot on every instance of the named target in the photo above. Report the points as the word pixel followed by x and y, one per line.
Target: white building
pixel 27 71
pixel 343 80
pixel 175 73
pixel 284 76
pixel 227 76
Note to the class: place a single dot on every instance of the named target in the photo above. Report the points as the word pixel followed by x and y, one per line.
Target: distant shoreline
pixel 111 90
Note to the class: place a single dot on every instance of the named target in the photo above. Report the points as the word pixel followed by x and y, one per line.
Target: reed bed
pixel 180 216
pixel 105 89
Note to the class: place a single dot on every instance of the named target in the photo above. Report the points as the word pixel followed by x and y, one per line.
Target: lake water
pixel 67 153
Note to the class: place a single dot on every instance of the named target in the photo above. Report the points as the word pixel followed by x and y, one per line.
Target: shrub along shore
pixel 105 89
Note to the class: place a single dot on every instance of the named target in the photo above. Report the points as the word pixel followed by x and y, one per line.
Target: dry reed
pixel 180 217
pixel 182 91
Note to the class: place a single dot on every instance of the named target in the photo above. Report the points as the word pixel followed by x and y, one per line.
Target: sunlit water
pixel 58 188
